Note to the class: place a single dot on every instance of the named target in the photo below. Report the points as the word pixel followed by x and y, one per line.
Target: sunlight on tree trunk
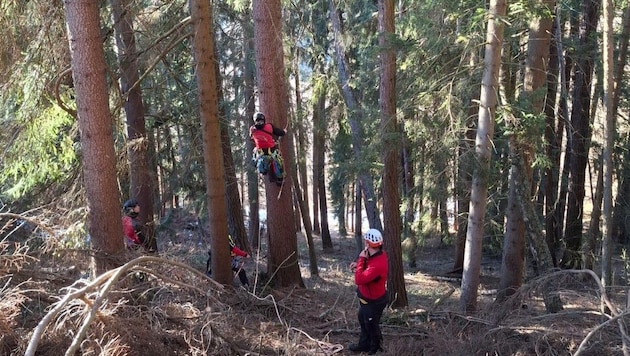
pixel 522 145
pixel 485 133
pixel 203 49
pixel 141 185
pixel 95 125
pixel 283 258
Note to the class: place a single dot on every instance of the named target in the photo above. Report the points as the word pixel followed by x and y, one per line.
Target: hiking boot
pixel 358 348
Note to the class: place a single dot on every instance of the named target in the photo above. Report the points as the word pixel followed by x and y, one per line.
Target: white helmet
pixel 373 237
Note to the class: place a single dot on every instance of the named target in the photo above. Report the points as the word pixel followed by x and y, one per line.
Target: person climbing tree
pixel 266 156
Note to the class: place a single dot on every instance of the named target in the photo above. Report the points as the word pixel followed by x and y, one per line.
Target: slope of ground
pixel 166 306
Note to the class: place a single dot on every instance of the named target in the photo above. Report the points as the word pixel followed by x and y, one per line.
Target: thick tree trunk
pixel 554 129
pixel 580 134
pixel 95 124
pixel 620 229
pixel 485 132
pixel 204 62
pixel 283 253
pixel 141 184
pixel 522 146
pixel 391 140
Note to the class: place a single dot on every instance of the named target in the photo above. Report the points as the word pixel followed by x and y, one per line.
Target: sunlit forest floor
pixel 167 306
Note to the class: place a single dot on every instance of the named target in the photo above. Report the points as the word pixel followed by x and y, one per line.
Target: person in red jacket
pixel 237 263
pixel 267 158
pixel 370 276
pixel 132 228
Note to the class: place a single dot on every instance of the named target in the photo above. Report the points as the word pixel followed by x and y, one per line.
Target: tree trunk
pixel 391 156
pixel 95 124
pixel 355 115
pixel 319 165
pixel 410 241
pixel 609 136
pixel 534 228
pixel 485 132
pixel 283 258
pixel 554 128
pixel 308 229
pixel 236 224
pixel 464 185
pixel 327 244
pixel 358 237
pixel 301 148
pixel 594 233
pixel 522 145
pixel 204 64
pixel 252 176
pixel 580 134
pixel 141 184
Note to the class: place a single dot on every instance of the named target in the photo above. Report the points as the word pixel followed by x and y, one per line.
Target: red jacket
pixel 370 276
pixel 235 251
pixel 131 238
pixel 264 136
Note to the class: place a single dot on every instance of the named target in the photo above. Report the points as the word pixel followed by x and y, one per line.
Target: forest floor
pixel 166 306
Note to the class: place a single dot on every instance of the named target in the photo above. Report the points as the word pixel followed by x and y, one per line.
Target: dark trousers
pixel 370 320
pixel 237 266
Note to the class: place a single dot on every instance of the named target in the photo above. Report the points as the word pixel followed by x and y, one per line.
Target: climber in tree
pixel 266 155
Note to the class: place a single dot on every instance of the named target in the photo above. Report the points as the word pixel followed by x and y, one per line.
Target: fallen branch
pixel 107 281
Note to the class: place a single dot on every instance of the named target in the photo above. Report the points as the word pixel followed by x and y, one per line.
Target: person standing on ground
pixel 237 256
pixel 370 276
pixel 134 237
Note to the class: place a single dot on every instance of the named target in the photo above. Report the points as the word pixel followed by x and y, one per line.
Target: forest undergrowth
pixel 166 305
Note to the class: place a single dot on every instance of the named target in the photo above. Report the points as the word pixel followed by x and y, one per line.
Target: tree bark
pixel 253 194
pixel 204 62
pixel 485 132
pixel 142 184
pixel 580 134
pixel 283 258
pixel 236 224
pixel 392 148
pixel 522 145
pixel 356 114
pixel 554 128
pixel 609 136
pixel 95 125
